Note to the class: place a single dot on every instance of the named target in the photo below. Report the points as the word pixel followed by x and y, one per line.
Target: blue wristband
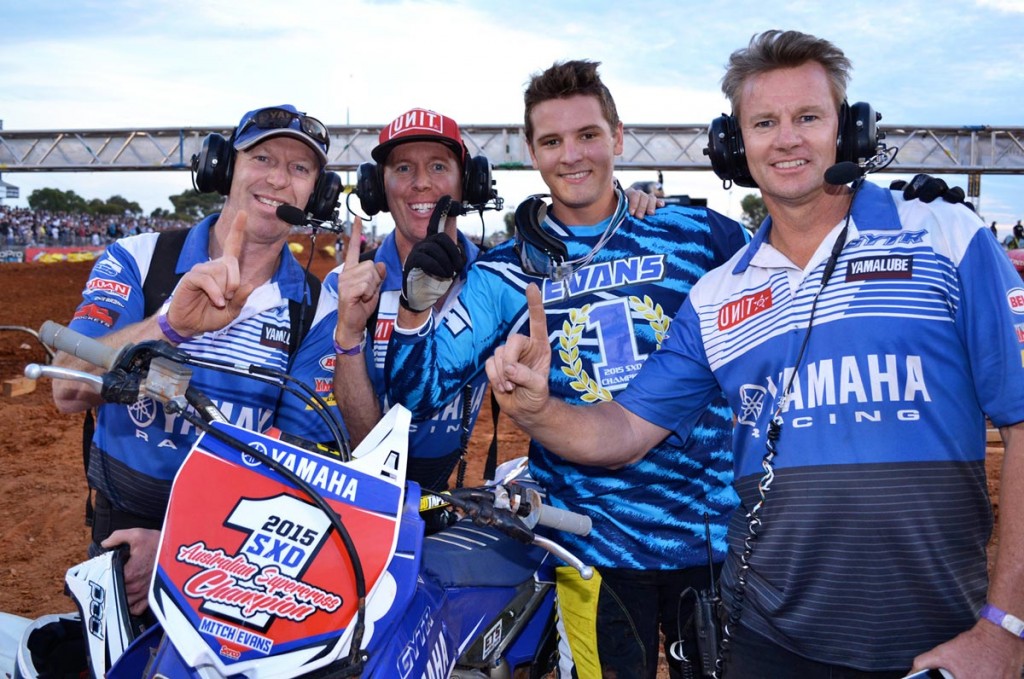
pixel 1010 623
pixel 168 331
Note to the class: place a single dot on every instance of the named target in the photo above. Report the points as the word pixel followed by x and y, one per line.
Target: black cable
pixel 771 440
pixel 282 379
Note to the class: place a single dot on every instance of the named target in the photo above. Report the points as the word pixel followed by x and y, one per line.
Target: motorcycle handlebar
pixel 561 519
pixel 86 348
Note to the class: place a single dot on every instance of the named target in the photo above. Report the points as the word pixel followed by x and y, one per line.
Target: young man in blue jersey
pixel 611 303
pixel 234 298
pixel 861 338
pixel 421 160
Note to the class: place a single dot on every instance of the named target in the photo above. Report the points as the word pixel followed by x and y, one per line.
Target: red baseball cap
pixel 420 124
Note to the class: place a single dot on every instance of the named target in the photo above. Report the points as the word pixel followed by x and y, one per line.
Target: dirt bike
pixel 280 558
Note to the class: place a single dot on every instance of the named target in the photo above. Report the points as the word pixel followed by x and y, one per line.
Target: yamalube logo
pixel 275 336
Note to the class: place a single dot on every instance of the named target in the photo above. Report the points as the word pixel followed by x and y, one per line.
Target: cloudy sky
pixel 150 63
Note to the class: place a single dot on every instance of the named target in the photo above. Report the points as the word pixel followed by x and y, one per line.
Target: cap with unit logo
pixel 420 124
pixel 282 121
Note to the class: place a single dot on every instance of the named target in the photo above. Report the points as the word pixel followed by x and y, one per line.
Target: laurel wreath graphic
pixel 572 331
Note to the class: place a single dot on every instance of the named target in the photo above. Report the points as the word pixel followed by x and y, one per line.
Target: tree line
pixel 189 205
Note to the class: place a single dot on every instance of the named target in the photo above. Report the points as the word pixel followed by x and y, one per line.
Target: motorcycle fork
pixel 486 654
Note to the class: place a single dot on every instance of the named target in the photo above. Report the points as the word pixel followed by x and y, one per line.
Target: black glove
pixel 430 269
pixel 434 262
pixel 927 188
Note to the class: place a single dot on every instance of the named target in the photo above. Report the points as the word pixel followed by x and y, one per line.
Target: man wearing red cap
pixel 420 160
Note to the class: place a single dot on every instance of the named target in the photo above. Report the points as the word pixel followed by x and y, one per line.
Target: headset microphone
pixel 292 215
pixel 843 173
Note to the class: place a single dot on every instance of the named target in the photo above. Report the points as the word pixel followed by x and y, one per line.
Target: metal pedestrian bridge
pixel 970 150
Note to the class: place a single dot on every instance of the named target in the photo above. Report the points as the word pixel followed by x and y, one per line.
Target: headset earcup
pixel 477 184
pixel 369 190
pixel 529 218
pixel 726 151
pixel 324 199
pixel 858 132
pixel 213 165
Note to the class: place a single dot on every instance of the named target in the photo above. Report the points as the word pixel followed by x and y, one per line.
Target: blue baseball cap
pixel 282 121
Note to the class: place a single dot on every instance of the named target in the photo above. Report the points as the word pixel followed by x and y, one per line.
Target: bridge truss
pixel 937 150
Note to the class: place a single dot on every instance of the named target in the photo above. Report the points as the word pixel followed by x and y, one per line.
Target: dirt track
pixel 42 485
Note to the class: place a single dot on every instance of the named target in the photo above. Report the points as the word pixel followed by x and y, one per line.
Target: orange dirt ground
pixel 42 484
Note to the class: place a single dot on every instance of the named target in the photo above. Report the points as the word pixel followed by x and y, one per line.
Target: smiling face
pixel 277 171
pixel 789 121
pixel 574 148
pixel 416 175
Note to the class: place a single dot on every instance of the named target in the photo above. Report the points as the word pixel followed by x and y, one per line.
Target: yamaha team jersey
pixel 872 548
pixel 137 449
pixel 440 432
pixel 603 324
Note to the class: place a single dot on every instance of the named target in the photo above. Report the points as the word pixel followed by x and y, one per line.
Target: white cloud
pixel 165 63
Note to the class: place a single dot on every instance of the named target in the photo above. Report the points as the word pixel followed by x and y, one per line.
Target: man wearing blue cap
pixel 237 294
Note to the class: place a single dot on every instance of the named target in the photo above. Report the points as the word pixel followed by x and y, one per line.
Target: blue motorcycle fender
pixel 419 644
pixel 132 663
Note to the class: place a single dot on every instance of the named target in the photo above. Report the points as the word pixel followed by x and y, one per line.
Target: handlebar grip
pixel 562 519
pixel 86 348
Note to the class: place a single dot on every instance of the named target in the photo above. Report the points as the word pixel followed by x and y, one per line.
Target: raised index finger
pixel 236 236
pixel 355 238
pixel 538 317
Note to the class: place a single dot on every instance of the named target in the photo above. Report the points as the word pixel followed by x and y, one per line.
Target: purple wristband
pixel 357 349
pixel 997 616
pixel 168 331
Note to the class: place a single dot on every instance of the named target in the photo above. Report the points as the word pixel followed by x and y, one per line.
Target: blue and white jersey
pixel 438 433
pixel 873 543
pixel 140 447
pixel 603 324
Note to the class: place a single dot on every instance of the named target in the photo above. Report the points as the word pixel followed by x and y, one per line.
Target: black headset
pixel 477 185
pixel 530 216
pixel 858 140
pixel 213 166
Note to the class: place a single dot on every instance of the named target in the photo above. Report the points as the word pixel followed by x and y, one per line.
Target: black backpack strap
pixel 88 429
pixel 301 316
pixel 491 464
pixel 371 321
pixel 162 278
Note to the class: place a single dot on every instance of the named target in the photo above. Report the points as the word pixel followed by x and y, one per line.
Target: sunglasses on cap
pixel 279 118
pixel 543 254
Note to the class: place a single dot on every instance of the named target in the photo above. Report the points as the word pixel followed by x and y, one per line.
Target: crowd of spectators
pixel 37 228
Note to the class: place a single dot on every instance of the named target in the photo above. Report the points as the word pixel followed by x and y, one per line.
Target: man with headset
pixel 237 294
pixel 619 281
pixel 421 166
pixel 422 170
pixel 860 343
